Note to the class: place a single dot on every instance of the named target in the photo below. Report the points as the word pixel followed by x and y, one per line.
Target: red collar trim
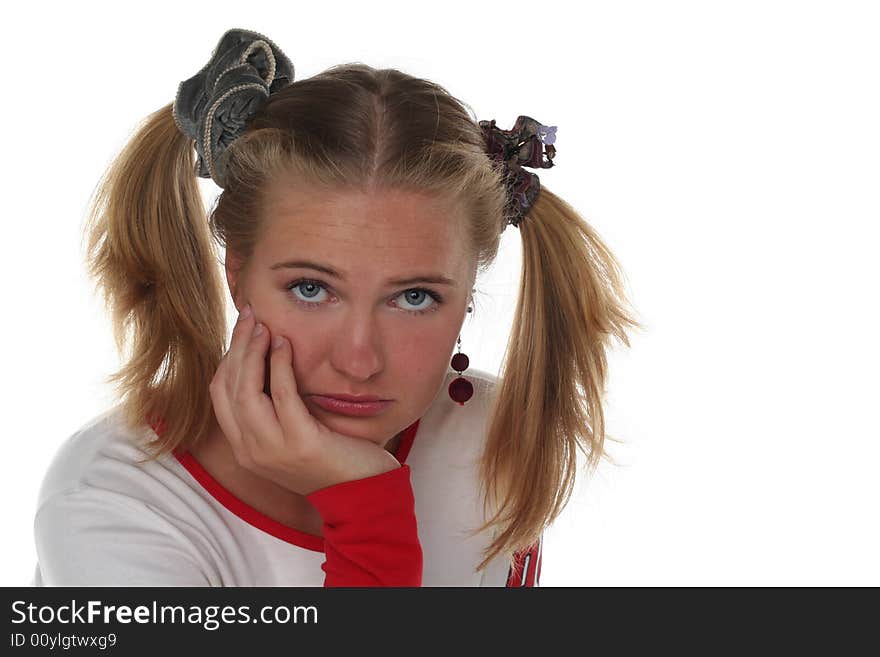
pixel 246 512
pixel 249 514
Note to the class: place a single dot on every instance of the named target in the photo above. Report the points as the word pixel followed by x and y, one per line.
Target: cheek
pixel 300 360
pixel 305 358
pixel 422 355
pixel 421 367
pixel 306 349
pixel 416 356
pixel 427 340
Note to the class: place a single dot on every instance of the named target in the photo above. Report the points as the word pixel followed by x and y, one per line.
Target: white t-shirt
pixel 102 519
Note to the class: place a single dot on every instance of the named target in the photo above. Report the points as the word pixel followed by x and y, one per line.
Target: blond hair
pixel 153 254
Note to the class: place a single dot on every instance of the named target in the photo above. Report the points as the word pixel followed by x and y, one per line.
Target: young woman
pixel 358 208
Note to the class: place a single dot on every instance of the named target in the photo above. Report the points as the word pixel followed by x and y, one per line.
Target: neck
pixel 392 445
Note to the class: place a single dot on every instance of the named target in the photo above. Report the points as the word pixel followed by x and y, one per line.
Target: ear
pixel 233 270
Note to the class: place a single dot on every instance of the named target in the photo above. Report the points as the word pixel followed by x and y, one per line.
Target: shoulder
pixel 445 463
pixel 479 378
pixel 102 454
pixel 445 414
pixel 106 515
pixel 452 433
pixel 485 384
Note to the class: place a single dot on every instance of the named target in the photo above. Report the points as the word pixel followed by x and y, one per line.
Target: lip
pixel 352 409
pixel 351 398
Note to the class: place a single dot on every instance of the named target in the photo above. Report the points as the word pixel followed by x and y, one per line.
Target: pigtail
pixel 552 381
pixel 151 255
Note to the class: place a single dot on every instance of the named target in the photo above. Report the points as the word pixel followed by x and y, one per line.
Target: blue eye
pixel 310 288
pixel 300 285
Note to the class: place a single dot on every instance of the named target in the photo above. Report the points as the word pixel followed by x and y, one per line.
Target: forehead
pixel 394 230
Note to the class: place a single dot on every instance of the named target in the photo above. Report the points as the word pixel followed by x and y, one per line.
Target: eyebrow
pixel 307 264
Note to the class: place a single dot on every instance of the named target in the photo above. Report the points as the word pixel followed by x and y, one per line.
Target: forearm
pixel 370 531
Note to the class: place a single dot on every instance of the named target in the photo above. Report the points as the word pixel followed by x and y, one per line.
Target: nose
pixel 357 348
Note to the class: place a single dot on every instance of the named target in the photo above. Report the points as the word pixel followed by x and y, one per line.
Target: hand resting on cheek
pixel 275 436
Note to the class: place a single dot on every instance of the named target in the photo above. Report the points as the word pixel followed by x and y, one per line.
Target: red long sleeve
pixel 370 532
pixel 526 568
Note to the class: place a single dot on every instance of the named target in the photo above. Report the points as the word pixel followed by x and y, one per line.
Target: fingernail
pixel 276 342
pixel 245 312
pixel 258 329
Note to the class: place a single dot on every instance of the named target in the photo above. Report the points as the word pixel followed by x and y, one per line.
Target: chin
pixel 355 427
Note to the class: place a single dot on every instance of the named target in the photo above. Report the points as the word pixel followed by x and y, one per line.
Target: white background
pixel 727 152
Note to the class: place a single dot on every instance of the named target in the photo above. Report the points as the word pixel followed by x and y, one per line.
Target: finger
pixel 254 409
pixel 231 366
pixel 222 403
pixel 241 334
pixel 289 406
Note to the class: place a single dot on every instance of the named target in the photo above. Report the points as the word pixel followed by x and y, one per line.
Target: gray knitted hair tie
pixel 213 106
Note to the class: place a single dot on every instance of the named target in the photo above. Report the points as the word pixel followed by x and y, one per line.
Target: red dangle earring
pixel 460 389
